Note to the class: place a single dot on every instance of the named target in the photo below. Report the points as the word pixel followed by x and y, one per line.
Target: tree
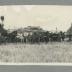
pixel 2 19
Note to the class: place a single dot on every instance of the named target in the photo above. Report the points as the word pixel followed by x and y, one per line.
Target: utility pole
pixel 56 30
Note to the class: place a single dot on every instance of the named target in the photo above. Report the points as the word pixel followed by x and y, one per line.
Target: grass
pixel 36 53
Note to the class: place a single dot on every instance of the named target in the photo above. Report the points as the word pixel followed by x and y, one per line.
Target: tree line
pixel 35 37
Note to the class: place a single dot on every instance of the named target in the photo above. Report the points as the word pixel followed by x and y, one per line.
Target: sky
pixel 47 17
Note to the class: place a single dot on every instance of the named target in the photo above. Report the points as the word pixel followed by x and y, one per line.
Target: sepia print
pixel 35 34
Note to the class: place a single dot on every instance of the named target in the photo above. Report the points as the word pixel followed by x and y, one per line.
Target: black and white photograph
pixel 35 34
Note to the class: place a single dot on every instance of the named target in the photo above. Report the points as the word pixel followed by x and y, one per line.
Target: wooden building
pixel 69 33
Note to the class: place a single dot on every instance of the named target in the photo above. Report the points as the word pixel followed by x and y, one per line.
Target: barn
pixel 28 32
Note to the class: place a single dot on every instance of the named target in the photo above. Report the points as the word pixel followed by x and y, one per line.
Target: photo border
pixel 61 67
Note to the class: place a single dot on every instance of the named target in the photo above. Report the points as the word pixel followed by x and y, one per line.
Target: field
pixel 36 53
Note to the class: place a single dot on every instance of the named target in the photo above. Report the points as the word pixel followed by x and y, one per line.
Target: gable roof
pixel 30 29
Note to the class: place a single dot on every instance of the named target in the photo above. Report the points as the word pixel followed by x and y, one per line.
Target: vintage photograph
pixel 35 34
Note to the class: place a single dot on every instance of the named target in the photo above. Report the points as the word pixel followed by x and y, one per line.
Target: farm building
pixel 29 33
pixel 69 32
pixel 29 30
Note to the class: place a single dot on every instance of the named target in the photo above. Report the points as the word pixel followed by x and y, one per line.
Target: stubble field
pixel 36 53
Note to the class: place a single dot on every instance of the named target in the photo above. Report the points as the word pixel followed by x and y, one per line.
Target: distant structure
pixel 30 30
pixel 25 33
pixel 69 33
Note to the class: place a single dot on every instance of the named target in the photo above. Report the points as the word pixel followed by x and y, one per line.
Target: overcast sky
pixel 46 16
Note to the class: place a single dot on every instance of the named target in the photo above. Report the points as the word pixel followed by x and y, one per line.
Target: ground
pixel 36 53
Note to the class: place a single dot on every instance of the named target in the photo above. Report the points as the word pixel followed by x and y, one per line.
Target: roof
pixel 30 29
pixel 10 30
pixel 69 31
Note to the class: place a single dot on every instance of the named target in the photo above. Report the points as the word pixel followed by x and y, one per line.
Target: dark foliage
pixel 36 37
